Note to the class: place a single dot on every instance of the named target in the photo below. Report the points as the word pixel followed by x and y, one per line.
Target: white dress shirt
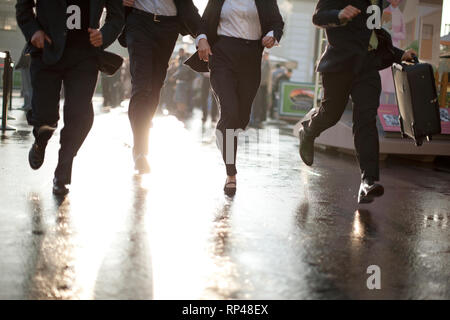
pixel 239 19
pixel 158 7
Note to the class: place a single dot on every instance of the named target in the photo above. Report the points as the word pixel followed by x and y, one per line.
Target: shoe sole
pixel 370 197
pixel 231 192
pixel 378 191
pixel 365 200
pixel 308 163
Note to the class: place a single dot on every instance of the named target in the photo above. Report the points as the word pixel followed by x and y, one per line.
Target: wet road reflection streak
pixel 223 283
pixel 54 275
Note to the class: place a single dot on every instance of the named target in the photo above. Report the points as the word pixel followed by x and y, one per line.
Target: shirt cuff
pixel 271 34
pixel 200 37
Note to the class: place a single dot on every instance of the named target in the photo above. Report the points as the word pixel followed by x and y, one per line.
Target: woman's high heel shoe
pixel 230 188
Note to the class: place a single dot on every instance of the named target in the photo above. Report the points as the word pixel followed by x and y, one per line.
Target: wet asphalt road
pixel 291 232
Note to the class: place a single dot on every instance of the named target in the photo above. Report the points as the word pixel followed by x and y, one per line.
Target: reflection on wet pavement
pixel 291 232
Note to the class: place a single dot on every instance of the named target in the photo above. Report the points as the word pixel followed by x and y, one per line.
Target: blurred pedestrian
pixel 151 31
pixel 70 56
pixel 276 73
pixel 259 110
pixel 23 65
pixel 284 76
pixel 212 103
pixel 113 87
pixel 238 31
pixel 168 90
pixel 207 101
pixel 183 90
pixel 126 78
pixel 106 89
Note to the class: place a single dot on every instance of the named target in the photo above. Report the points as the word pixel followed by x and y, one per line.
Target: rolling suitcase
pixel 417 101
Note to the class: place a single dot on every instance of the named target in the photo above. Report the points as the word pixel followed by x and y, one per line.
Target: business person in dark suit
pixel 64 41
pixel 151 30
pixel 349 67
pixel 233 34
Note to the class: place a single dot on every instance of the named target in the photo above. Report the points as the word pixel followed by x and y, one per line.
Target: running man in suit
pixel 65 42
pixel 349 68
pixel 151 31
pixel 233 35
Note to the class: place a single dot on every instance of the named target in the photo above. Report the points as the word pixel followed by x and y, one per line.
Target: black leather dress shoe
pixel 59 189
pixel 141 164
pixel 306 148
pixel 368 191
pixel 37 152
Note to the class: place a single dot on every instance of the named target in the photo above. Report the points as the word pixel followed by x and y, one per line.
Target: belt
pixel 155 17
pixel 240 40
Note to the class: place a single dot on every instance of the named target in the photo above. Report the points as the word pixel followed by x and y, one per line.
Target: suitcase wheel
pixel 404 136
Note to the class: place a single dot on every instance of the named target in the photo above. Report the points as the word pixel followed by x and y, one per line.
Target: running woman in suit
pixel 233 35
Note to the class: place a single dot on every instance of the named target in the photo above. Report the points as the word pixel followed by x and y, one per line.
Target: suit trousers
pixel 150 45
pixel 77 70
pixel 235 77
pixel 364 89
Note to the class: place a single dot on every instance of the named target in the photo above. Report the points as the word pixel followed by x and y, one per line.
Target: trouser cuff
pixel 370 177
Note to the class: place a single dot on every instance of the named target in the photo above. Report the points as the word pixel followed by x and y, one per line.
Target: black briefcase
pixel 417 101
pixel 108 62
pixel 196 64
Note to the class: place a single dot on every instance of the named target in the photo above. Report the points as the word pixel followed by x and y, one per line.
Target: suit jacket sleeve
pixel 114 22
pixel 276 20
pixel 26 19
pixel 398 54
pixel 192 18
pixel 327 14
pixel 203 26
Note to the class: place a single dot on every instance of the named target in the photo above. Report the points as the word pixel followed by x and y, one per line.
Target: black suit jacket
pixel 348 44
pixel 50 16
pixel 187 14
pixel 269 17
